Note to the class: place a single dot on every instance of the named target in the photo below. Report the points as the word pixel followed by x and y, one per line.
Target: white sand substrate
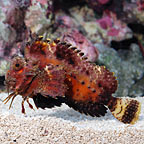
pixel 63 125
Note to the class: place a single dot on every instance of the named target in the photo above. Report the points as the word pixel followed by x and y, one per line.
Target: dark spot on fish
pixel 87 72
pixel 99 84
pixel 82 82
pixel 74 77
pixel 59 56
pixel 71 61
pixel 94 91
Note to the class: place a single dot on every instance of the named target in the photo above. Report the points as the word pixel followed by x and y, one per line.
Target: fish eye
pixel 17 64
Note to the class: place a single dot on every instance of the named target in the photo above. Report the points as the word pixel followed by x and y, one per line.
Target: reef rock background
pixel 109 32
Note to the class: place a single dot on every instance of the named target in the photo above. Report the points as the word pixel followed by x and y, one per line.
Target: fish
pixel 53 72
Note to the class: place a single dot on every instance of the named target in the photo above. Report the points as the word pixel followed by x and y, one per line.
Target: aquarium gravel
pixel 63 125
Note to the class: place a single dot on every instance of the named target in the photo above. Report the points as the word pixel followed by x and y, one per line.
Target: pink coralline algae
pixel 114 28
pixel 103 1
pixel 105 22
pixel 140 4
pixel 75 38
pixel 14 25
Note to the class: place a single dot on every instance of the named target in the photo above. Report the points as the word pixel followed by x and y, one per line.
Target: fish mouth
pixel 19 91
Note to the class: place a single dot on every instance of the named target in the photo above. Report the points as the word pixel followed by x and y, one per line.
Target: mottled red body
pixel 55 72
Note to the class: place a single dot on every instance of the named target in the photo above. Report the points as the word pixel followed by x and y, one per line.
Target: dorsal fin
pixel 65 51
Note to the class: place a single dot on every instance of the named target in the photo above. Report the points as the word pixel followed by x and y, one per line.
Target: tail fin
pixel 125 110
